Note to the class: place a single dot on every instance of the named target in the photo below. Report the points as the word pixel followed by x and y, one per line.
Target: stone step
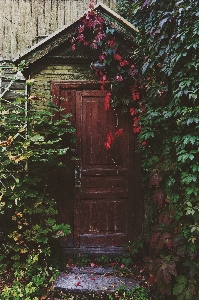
pixel 96 280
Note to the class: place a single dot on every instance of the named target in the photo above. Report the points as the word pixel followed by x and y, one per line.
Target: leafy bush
pixel 167 42
pixel 31 150
pixel 137 293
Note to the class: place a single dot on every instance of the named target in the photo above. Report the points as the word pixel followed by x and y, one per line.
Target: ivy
pixel 113 66
pixel 167 41
pixel 164 110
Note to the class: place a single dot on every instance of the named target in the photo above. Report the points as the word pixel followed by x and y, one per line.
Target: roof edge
pixel 99 5
pixel 116 15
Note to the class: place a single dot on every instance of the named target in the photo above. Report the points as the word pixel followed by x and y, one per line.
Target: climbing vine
pixel 168 39
pixel 161 92
pixel 112 66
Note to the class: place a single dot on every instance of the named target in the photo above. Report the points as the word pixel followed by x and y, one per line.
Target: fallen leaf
pixel 92 264
pixel 78 283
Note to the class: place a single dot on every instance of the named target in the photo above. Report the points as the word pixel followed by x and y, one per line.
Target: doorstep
pixel 96 280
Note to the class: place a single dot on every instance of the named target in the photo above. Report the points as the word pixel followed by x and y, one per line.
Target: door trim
pixel 138 204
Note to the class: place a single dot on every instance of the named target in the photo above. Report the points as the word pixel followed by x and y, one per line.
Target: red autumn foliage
pixel 78 283
pixel 112 43
pixel 119 78
pixel 137 129
pixel 160 240
pixel 135 96
pixel 109 140
pixel 110 137
pixel 103 80
pixel 124 63
pixel 107 101
pixel 117 57
pixel 119 132
pixel 158 197
pixel 133 111
pixel 165 218
pixel 155 179
pixel 107 145
pixel 135 121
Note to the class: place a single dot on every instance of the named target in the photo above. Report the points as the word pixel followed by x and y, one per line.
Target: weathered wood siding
pixel 25 22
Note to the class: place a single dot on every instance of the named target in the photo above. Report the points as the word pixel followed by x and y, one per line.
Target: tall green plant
pixel 168 40
pixel 31 151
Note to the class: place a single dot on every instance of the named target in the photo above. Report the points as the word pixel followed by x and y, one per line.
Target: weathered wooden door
pixel 107 205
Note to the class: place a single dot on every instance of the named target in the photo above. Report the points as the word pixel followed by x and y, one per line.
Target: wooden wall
pixel 25 22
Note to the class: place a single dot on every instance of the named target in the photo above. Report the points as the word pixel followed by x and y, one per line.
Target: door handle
pixel 78 176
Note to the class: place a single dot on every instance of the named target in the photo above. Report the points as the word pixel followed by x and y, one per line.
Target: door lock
pixel 78 176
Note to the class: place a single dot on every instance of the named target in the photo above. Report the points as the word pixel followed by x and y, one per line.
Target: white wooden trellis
pixel 24 126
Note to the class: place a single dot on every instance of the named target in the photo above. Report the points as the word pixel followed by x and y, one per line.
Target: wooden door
pixel 107 205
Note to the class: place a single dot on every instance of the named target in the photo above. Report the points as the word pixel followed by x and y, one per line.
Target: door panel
pixel 102 197
pixel 106 186
pixel 95 123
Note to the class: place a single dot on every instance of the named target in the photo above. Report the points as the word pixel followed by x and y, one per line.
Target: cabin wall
pixel 23 23
pixel 44 74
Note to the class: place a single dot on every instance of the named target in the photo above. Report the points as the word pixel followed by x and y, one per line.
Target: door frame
pixel 136 227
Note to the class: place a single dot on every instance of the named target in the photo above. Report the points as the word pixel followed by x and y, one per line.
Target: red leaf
pixel 107 101
pixel 81 29
pixel 92 4
pixel 155 179
pixel 119 132
pixel 122 266
pixel 107 145
pixel 103 78
pixel 143 110
pixel 112 43
pixel 136 96
pixel 135 121
pixel 117 57
pixel 78 283
pixel 137 129
pixel 156 241
pixel 165 218
pixel 119 78
pixel 92 264
pixel 109 138
pixel 101 57
pixel 124 63
pixel 133 111
pixel 80 37
pixel 144 143
pixel 158 197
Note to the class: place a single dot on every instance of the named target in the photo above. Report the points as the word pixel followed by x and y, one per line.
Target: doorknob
pixel 78 175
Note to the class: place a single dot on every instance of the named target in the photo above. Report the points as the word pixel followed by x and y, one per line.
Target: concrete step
pixel 92 280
